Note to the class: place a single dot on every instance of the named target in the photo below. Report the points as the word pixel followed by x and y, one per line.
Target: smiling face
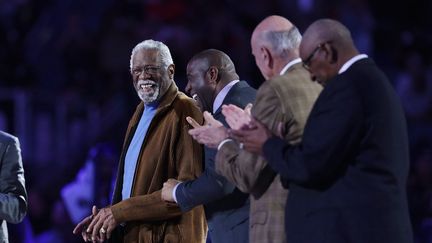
pixel 200 85
pixel 150 78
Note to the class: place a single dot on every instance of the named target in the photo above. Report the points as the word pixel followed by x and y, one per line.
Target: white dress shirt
pixel 351 62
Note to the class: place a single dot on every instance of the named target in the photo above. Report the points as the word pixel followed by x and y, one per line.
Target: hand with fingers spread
pixel 102 225
pixel 192 122
pixel 248 109
pixel 83 225
pixel 236 117
pixel 209 120
pixel 211 134
pixel 167 190
pixel 252 138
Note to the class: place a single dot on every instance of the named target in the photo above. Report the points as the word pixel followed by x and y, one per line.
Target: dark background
pixel 65 88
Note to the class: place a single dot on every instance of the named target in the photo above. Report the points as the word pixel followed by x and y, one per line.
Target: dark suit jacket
pixel 226 208
pixel 13 195
pixel 347 180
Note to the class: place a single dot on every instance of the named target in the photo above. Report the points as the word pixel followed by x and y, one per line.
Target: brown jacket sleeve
pixel 148 207
pixel 189 160
pixel 186 158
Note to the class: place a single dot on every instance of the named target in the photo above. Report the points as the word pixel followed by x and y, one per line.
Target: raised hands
pixel 236 117
pixel 252 138
pixel 211 134
pixel 250 133
pixel 208 121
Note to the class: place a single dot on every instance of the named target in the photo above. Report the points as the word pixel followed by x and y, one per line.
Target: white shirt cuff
pixel 223 142
pixel 174 192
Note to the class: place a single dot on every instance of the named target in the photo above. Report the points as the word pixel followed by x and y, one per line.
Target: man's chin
pixel 320 81
pixel 148 98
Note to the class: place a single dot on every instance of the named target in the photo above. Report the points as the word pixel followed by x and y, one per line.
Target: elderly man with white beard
pixel 157 146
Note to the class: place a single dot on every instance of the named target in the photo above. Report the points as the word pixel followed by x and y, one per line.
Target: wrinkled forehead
pixel 197 65
pixel 146 57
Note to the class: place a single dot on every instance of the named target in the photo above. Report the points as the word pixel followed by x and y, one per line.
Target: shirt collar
pixel 221 95
pixel 351 62
pixel 290 64
pixel 152 105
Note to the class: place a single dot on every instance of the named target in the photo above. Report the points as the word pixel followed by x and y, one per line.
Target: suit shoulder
pixel 185 101
pixel 296 81
pixel 247 87
pixel 8 138
pixel 292 77
pixel 242 88
pixel 186 106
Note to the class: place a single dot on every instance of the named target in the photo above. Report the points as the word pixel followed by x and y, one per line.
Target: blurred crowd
pixel 65 87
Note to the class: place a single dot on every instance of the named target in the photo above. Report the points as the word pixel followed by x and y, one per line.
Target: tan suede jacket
pixel 168 151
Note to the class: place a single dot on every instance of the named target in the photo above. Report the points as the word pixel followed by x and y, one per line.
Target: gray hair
pixel 283 41
pixel 164 51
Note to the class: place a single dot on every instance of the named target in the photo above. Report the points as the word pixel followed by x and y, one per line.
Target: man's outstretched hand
pixel 211 134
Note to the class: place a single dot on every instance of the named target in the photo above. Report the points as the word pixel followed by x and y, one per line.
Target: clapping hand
pixel 236 117
pixel 211 134
pixel 252 138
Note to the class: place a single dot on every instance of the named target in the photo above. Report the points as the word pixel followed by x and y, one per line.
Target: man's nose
pixel 313 77
pixel 143 75
pixel 188 88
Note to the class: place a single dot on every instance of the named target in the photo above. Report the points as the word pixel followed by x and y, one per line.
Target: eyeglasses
pixel 307 61
pixel 148 69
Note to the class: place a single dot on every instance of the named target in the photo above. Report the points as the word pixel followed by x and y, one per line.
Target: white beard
pixel 147 96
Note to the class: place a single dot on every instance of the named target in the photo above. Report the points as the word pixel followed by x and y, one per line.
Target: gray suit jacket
pixel 286 100
pixel 13 195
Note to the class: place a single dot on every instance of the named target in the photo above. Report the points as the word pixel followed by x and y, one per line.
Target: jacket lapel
pixel 165 102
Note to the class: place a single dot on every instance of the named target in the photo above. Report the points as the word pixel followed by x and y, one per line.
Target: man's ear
pixel 171 70
pixel 267 57
pixel 331 54
pixel 213 74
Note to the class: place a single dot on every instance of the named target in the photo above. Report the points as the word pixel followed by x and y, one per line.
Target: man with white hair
pixel 157 147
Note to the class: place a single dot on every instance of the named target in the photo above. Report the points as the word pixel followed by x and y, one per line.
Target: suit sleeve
pixel 245 169
pixel 209 187
pixel 13 195
pixel 188 159
pixel 330 136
